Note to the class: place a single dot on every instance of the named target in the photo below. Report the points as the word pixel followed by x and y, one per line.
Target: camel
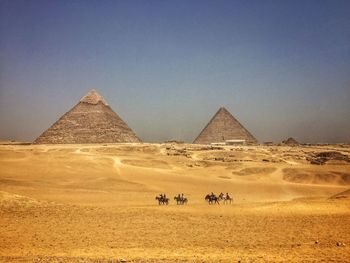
pixel 162 200
pixel 180 200
pixel 212 199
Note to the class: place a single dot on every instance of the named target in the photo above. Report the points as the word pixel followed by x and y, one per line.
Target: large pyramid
pixel 90 121
pixel 223 126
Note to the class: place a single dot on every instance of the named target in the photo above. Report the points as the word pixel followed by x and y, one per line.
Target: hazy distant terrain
pixel 97 202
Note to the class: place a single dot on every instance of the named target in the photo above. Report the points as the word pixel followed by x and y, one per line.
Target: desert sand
pixel 96 203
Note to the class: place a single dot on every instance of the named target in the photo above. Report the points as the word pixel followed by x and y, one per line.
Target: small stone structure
pixel 235 142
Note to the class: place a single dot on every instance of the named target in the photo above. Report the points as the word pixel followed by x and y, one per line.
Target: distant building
pixel 218 143
pixel 235 142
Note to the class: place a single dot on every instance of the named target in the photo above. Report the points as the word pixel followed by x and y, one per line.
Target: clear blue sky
pixel 281 67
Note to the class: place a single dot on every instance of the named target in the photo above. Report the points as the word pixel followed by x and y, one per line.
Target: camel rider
pixel 212 195
pixel 161 196
pixel 182 196
pixel 227 196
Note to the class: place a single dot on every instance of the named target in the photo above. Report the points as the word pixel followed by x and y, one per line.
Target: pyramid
pixel 223 126
pixel 290 141
pixel 90 121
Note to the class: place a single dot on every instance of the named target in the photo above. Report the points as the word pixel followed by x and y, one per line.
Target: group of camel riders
pixel 162 199
pixel 181 199
pixel 213 199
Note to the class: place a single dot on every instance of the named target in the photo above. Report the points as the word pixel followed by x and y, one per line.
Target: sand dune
pixel 344 194
pixel 97 202
pixel 311 176
pixel 255 170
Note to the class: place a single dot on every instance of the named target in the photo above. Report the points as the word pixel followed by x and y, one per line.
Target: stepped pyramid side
pixel 223 126
pixel 90 121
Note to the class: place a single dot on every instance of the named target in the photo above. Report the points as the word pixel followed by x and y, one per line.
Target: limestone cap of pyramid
pixel 223 110
pixel 93 97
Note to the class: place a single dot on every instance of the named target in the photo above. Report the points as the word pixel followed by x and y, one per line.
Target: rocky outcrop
pixel 323 157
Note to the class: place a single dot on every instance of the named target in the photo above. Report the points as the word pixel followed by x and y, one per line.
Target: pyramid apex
pixel 223 110
pixel 93 97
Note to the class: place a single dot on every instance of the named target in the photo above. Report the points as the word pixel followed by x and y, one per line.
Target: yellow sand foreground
pixel 81 203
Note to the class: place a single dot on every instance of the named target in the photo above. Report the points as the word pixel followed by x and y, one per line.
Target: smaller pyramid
pixel 222 127
pixel 91 120
pixel 290 141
